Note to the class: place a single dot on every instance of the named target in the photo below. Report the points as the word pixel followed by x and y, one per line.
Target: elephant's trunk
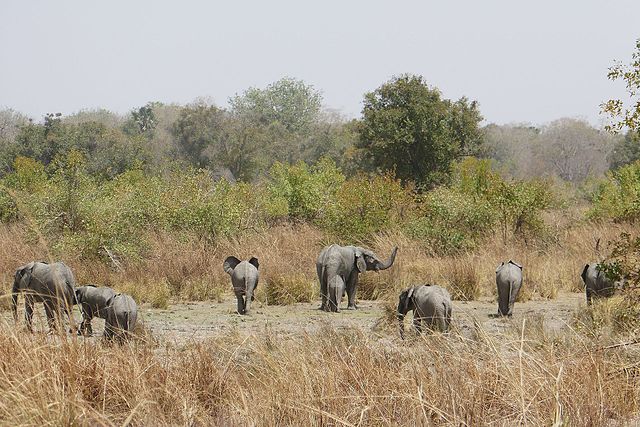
pixel 389 262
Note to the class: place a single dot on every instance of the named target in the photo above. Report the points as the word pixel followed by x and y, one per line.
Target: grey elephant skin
pixel 338 268
pixel 121 316
pixel 597 284
pixel 93 302
pixel 431 305
pixel 244 278
pixel 509 282
pixel 51 284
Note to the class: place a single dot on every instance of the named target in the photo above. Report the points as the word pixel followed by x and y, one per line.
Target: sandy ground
pixel 183 322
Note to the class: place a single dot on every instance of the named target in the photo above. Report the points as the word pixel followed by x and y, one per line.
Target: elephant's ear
pixel 584 273
pixel 230 263
pixel 516 264
pixel 254 261
pixel 405 299
pixel 361 264
pixel 27 270
pixel 499 266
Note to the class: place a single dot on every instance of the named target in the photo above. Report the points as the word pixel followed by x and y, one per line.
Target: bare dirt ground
pixel 183 322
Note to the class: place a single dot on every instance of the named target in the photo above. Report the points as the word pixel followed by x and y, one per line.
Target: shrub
pixel 618 195
pixel 366 205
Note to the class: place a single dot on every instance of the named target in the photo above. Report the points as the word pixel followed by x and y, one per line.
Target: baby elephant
pixel 244 278
pixel 509 282
pixel 597 284
pixel 119 311
pixel 431 306
pixel 93 302
pixel 120 318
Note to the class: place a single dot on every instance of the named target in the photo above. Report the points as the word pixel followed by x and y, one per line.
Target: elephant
pixel 51 284
pixel 431 305
pixel 597 284
pixel 509 282
pixel 120 318
pixel 93 301
pixel 338 268
pixel 244 278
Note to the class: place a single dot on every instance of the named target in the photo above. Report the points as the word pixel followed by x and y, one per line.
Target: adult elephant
pixel 509 282
pixel 51 284
pixel 338 268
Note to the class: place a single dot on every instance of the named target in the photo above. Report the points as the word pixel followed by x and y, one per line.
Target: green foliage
pixel 451 221
pixel 409 129
pixel 366 205
pixel 302 193
pixel 289 102
pixel 618 196
pixel 626 151
pixel 198 127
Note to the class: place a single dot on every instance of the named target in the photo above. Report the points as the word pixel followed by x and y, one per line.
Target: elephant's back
pixel 433 293
pixel 509 273
pixel 245 270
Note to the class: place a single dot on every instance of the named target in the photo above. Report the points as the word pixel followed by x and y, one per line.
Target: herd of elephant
pixel 337 267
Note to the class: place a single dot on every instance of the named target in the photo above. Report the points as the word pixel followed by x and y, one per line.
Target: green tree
pixel 290 102
pixel 625 151
pixel 621 115
pixel 198 126
pixel 408 127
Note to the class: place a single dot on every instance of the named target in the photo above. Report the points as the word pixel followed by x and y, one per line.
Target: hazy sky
pixel 523 63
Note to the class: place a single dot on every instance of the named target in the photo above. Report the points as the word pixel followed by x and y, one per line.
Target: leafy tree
pixel 625 151
pixel 407 127
pixel 622 115
pixel 142 121
pixel 198 126
pixel 290 102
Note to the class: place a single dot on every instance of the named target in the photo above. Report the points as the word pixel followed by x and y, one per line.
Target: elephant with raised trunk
pixel 121 316
pixel 597 284
pixel 509 282
pixel 431 305
pixel 51 284
pixel 93 302
pixel 338 268
pixel 244 278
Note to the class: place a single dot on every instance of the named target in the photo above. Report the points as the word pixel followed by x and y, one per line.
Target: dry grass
pixel 326 378
pixel 331 377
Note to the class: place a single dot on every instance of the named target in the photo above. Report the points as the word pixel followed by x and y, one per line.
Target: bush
pixel 367 205
pixel 618 195
pixel 451 221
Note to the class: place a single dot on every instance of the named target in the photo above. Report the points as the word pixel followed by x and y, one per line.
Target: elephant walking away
pixel 431 305
pixel 93 302
pixel 509 282
pixel 244 278
pixel 51 284
pixel 121 316
pixel 338 268
pixel 597 284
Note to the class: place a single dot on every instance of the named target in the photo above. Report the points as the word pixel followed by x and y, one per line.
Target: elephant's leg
pixel 240 303
pixel 417 323
pixel 323 288
pixel 352 285
pixel 589 296
pixel 28 311
pixel 52 316
pixel 85 327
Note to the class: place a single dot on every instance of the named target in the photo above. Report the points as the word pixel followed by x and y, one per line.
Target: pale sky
pixel 532 62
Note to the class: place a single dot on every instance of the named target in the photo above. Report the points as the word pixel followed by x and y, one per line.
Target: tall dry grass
pixel 325 378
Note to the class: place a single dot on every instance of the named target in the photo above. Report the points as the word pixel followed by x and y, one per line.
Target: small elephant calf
pixel 508 282
pixel 597 284
pixel 119 311
pixel 244 278
pixel 431 305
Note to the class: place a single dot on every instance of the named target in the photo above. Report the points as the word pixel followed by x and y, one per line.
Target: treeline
pixel 406 128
